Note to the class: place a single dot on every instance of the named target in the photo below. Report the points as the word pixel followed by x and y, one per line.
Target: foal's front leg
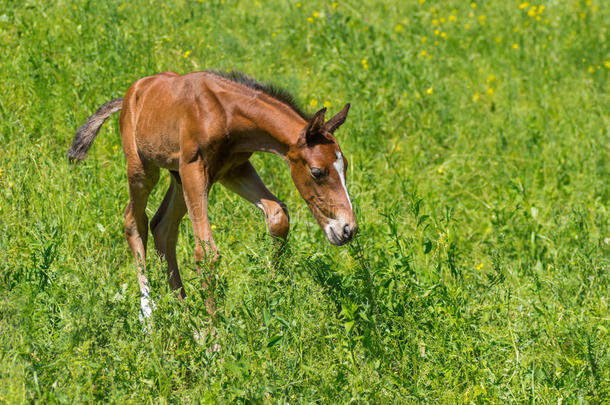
pixel 245 181
pixel 196 186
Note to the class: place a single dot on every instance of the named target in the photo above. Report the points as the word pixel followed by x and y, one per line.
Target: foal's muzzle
pixel 340 232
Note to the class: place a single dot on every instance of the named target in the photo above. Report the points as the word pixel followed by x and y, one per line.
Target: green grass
pixel 479 169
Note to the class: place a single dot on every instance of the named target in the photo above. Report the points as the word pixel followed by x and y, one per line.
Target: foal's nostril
pixel 347 231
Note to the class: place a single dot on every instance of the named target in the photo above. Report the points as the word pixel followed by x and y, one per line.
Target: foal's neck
pixel 273 126
pixel 262 123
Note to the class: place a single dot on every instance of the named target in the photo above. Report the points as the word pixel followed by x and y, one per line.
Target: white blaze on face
pixel 334 227
pixel 339 166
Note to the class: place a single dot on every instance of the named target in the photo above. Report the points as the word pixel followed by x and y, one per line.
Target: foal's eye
pixel 316 173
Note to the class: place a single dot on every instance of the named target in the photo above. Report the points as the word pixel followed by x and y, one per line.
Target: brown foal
pixel 203 127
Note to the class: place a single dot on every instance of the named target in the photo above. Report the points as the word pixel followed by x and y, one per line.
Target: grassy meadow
pixel 479 166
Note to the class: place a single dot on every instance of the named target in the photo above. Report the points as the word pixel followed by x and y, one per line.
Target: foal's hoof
pixel 207 337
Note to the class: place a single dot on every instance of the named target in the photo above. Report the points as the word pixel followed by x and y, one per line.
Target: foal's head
pixel 318 170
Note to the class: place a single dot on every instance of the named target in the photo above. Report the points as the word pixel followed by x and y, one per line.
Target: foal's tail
pixel 85 135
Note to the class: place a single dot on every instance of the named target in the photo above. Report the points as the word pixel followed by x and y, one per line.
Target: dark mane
pixel 270 89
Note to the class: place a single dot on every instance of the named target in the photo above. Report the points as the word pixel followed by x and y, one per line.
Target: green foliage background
pixel 479 166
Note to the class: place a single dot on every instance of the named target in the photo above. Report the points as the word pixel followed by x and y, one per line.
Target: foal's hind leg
pixel 165 226
pixel 142 180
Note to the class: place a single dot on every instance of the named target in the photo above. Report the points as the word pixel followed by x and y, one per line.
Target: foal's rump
pixel 154 116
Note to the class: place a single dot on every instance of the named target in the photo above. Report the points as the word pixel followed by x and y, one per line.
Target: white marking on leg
pixel 146 304
pixel 339 166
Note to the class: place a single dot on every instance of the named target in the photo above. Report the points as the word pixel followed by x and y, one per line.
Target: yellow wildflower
pixel 541 9
pixel 498 40
pixel 480 266
pixel 435 22
pixel 452 18
pixel 443 34
pixel 515 46
pixel 490 90
pixel 423 53
pixel 424 39
pixel 316 14
pixel 398 28
pixel 476 96
pixel 524 5
pixel 327 103
pixel 436 32
pixel 532 11
pixel 466 26
pixel 309 19
pixel 430 91
pixel 591 69
pixel 491 78
pixel 313 102
pixel 298 4
pixel 442 19
pixel 607 64
pixel 187 53
pixel 335 4
pixel 482 17
pixel 473 5
pixel 365 63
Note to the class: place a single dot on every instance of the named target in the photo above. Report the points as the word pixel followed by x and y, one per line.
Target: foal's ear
pixel 317 122
pixel 338 120
pixel 315 128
